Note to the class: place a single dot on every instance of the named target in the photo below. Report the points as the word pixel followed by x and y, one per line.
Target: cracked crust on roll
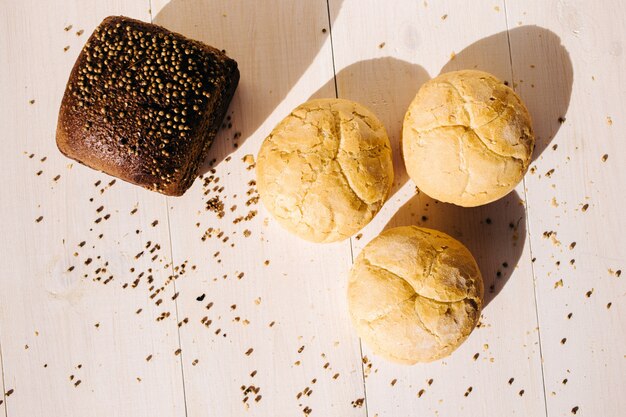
pixel 414 294
pixel 467 138
pixel 325 170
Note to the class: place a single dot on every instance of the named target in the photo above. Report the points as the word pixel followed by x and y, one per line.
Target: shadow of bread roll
pixel 325 170
pixel 467 138
pixel 414 294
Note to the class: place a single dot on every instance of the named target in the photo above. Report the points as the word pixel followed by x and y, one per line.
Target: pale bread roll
pixel 467 138
pixel 325 170
pixel 414 294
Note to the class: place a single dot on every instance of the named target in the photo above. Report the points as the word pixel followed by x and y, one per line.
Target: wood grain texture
pixel 72 340
pixel 574 202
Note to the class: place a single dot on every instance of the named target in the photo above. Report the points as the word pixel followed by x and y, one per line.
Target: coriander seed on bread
pixel 414 294
pixel 325 170
pixel 144 104
pixel 467 138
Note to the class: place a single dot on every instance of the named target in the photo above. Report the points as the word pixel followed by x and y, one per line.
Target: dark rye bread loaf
pixel 144 104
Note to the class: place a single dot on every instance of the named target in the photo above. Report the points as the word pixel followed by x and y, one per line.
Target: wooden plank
pixel 575 197
pixel 74 341
pixel 3 390
pixel 267 327
pixel 381 60
pixel 59 327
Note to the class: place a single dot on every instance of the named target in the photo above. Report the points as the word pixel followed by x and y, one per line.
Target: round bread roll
pixel 467 138
pixel 414 294
pixel 325 170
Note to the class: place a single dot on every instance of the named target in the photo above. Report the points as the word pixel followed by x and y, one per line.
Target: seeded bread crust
pixel 144 104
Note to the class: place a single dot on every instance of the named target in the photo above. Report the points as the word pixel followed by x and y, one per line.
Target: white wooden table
pixel 116 301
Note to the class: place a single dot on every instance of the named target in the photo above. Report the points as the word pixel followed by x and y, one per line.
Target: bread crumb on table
pixel 248 159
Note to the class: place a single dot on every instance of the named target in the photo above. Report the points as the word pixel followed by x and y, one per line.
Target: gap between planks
pixel 332 54
pixel 528 227
pixel 169 235
pixel 3 385
pixel 182 357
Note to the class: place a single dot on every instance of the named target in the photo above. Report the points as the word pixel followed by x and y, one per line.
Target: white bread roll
pixel 325 170
pixel 467 138
pixel 414 294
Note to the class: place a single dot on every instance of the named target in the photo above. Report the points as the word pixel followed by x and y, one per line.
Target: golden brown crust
pixel 415 294
pixel 325 170
pixel 144 104
pixel 467 138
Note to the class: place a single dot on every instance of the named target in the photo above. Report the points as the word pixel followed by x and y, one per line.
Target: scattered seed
pixel 358 403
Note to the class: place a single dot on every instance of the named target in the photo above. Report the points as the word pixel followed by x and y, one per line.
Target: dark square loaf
pixel 144 104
